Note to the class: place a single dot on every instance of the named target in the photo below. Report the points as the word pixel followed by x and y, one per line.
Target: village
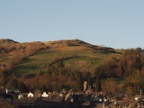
pixel 71 99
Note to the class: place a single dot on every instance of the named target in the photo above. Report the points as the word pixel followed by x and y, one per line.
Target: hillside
pixel 54 62
pixel 33 56
pixel 54 65
pixel 70 52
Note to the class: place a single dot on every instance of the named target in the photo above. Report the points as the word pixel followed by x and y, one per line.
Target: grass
pixel 93 60
pixel 40 60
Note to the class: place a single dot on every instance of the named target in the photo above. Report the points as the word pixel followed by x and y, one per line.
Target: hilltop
pixel 7 41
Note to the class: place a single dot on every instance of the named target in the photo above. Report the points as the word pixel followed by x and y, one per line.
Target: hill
pixel 70 52
pixel 28 57
pixel 67 64
pixel 63 62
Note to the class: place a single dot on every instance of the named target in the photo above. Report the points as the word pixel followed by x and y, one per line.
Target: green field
pixel 41 60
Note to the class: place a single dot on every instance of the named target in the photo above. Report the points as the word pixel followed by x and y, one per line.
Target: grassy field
pixel 71 56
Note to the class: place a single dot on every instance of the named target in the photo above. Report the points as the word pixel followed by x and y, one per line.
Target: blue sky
pixel 113 23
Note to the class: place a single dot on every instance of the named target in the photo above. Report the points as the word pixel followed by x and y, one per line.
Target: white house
pixel 44 94
pixel 20 96
pixel 30 94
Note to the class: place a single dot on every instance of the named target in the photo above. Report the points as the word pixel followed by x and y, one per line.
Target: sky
pixel 112 23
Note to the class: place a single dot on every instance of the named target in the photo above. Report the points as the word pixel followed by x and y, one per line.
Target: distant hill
pixel 54 65
pixel 58 59
pixel 31 56
pixel 70 52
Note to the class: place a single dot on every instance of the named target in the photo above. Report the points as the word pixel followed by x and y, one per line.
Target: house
pixel 44 95
pixel 20 96
pixel 30 94
pixel 12 91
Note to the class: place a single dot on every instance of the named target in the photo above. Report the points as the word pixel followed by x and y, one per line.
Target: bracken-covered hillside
pixel 34 57
pixel 22 60
pixel 54 65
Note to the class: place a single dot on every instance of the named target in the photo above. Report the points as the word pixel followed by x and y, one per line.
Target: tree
pixel 12 84
pixel 98 86
pixel 22 87
pixel 110 86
